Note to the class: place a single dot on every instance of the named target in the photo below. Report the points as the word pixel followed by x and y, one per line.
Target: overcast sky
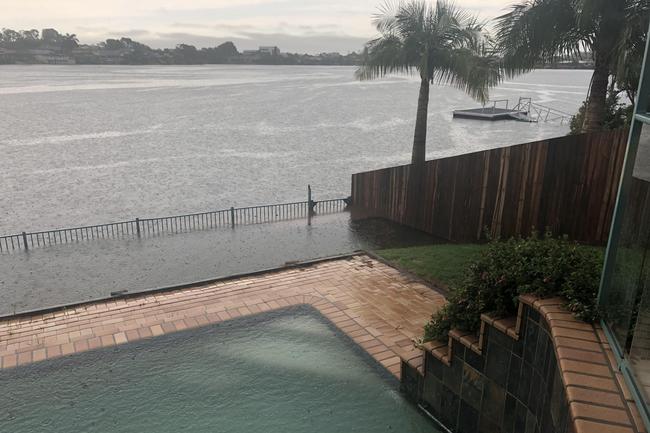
pixel 311 26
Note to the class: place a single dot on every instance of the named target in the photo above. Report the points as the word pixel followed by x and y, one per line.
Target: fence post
pixel 137 226
pixel 25 241
pixel 309 205
pixel 232 216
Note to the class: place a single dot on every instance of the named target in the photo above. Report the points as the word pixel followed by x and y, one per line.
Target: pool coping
pixel 381 309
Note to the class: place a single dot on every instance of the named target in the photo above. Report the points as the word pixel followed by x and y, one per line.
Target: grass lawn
pixel 442 263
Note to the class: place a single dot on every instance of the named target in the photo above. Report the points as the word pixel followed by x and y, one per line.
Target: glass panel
pixel 621 298
pixel 639 207
pixel 639 356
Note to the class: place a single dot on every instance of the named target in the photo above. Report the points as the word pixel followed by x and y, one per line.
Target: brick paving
pixel 377 306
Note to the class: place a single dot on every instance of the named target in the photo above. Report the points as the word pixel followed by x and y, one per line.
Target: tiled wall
pixel 514 386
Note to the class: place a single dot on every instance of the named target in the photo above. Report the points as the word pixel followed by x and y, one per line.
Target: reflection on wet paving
pixel 70 273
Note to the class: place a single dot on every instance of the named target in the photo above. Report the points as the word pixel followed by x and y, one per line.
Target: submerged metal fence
pixel 141 227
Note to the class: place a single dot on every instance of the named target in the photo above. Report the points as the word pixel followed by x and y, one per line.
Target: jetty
pixel 525 110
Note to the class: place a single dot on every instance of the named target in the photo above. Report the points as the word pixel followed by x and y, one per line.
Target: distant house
pixel 107 56
pixel 262 51
pixel 57 59
pixel 271 51
pixel 50 57
pixel 7 56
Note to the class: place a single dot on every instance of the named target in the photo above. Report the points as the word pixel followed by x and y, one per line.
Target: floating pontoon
pixel 524 111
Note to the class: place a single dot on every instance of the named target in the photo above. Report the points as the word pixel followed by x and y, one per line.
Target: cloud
pixel 136 33
pixel 295 25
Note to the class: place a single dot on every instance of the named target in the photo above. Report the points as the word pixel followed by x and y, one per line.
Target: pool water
pixel 284 372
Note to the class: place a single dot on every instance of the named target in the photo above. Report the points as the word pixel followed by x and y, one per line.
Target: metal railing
pixel 494 103
pixel 540 113
pixel 147 227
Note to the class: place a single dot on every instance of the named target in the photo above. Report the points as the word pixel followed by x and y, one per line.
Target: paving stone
pixel 377 306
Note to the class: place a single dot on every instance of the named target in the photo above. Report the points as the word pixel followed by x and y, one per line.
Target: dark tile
pixel 531 423
pixel 493 405
pixel 498 360
pixel 472 388
pixel 452 376
pixel 544 330
pixel 535 392
pixel 458 349
pixel 530 342
pixel 551 371
pixel 434 365
pixel 476 361
pixel 557 400
pixel 467 419
pixel 520 418
pixel 513 374
pixel 411 383
pixel 564 417
pixel 518 347
pixel 497 337
pixel 546 421
pixel 523 387
pixel 449 406
pixel 541 403
pixel 540 353
pixel 432 393
pixel 549 355
pixel 509 412
pixel 486 425
pixel 545 327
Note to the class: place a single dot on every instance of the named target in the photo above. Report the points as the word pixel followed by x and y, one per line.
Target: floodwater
pixel 96 144
pixel 91 144
pixel 63 274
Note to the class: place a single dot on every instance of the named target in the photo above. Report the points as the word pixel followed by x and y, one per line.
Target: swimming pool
pixel 287 371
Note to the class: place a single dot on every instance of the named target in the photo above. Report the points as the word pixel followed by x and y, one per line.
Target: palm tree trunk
pixel 416 170
pixel 597 100
pixel 611 28
pixel 420 138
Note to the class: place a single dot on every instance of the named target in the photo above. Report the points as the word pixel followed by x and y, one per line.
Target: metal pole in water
pixel 137 226
pixel 308 204
pixel 232 216
pixel 25 241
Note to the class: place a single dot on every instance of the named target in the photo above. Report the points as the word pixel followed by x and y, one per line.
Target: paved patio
pixel 380 308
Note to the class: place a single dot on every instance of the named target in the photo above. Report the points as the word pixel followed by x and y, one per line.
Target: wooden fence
pixel 567 184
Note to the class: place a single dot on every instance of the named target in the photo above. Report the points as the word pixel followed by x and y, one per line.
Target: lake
pixel 92 144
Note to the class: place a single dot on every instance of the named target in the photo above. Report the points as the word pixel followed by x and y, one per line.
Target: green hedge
pixel 540 265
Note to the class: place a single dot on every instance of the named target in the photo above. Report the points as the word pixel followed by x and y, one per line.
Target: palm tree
pixel 440 42
pixel 536 31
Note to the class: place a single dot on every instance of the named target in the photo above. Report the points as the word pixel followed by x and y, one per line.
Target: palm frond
pixel 472 70
pixel 540 29
pixel 443 42
pixel 630 48
pixel 384 20
pixel 384 55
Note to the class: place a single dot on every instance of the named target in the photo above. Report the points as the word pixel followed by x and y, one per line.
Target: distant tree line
pixel 50 46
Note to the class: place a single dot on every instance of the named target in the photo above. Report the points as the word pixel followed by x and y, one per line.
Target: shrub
pixel 617 115
pixel 540 265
